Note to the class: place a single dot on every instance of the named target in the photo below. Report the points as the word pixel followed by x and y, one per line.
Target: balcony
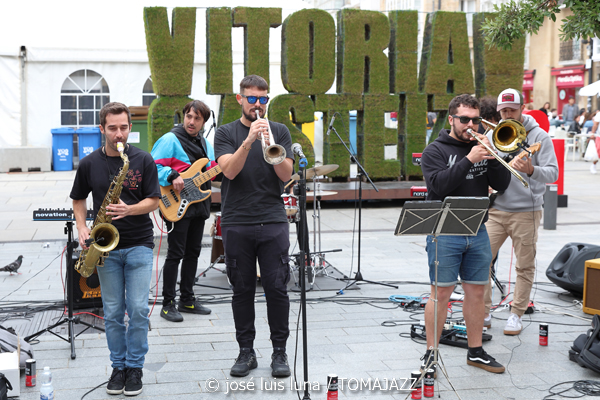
pixel 570 52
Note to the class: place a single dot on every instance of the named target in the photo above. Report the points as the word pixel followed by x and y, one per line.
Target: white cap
pixel 510 98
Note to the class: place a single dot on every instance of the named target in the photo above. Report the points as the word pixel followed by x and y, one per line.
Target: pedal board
pixel 452 335
pixel 409 300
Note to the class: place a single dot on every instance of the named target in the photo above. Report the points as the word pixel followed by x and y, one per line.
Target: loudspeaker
pixel 567 270
pixel 591 281
pixel 86 291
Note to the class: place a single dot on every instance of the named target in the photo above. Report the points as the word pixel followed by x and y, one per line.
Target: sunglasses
pixel 465 120
pixel 252 99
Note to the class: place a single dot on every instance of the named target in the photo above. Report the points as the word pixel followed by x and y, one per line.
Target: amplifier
pixel 418 191
pixel 591 281
pixel 416 158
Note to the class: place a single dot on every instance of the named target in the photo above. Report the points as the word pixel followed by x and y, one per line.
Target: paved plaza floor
pixel 360 335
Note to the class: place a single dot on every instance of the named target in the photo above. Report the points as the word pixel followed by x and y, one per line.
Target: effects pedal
pixel 409 300
pixel 453 333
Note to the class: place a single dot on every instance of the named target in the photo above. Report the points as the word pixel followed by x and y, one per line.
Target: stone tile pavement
pixel 358 335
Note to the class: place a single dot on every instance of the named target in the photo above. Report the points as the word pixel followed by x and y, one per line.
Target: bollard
pixel 550 205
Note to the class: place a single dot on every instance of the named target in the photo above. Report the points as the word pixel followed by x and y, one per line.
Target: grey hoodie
pixel 517 198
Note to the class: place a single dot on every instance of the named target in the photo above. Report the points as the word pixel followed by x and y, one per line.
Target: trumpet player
pixel 254 224
pixel 127 271
pixel 456 165
pixel 516 212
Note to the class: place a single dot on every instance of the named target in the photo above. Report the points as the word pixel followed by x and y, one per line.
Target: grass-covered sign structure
pixel 371 57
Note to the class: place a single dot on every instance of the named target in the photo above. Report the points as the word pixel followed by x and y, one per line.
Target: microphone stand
pixel 302 235
pixel 361 172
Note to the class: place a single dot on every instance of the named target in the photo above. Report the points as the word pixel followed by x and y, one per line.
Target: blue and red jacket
pixel 174 153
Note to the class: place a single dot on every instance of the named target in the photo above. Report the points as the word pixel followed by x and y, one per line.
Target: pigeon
pixel 13 266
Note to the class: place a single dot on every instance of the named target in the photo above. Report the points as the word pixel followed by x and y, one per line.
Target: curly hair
pixel 465 100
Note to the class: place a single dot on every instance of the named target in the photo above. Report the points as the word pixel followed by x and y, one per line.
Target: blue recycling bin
pixel 90 139
pixel 62 149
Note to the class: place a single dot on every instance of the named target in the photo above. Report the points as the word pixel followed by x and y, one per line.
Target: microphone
pixel 331 124
pixel 297 150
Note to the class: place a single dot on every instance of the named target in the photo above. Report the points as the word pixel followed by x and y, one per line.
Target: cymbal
pixel 319 193
pixel 317 171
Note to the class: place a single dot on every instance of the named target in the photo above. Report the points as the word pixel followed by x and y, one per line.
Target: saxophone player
pixel 126 274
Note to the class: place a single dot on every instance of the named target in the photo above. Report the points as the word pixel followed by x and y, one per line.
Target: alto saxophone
pixel 104 234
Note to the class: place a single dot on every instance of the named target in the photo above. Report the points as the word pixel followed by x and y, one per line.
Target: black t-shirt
pixel 95 174
pixel 254 196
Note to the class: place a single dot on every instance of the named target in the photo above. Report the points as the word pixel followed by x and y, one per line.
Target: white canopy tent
pixel 108 38
pixel 593 89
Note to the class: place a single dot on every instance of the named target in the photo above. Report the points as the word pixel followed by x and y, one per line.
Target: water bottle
pixel 46 391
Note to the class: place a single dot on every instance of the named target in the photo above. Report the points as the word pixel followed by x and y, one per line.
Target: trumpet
pixel 273 153
pixel 507 137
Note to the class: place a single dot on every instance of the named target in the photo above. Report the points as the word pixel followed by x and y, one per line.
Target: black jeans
pixel 185 242
pixel 270 244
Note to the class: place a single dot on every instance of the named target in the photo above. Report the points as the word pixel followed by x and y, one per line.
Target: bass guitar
pixel 174 204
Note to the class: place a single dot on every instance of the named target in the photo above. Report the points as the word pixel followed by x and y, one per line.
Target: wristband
pixel 244 147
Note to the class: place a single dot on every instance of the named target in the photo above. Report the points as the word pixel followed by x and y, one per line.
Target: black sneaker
pixel 279 363
pixel 193 307
pixel 170 312
pixel 116 383
pixel 133 384
pixel 244 363
pixel 484 361
pixel 427 363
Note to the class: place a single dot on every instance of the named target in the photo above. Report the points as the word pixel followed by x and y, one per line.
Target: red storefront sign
pixel 528 79
pixel 569 77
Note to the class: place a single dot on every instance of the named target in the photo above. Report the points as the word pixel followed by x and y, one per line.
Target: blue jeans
pixel 467 256
pixel 125 283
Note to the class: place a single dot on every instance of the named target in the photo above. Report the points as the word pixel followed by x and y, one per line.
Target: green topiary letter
pixel 376 136
pixel 496 70
pixel 308 52
pixel 362 66
pixel 219 64
pixel 445 60
pixel 256 23
pixel 303 111
pixel 171 55
pixel 403 51
pixel 412 125
pixel 161 116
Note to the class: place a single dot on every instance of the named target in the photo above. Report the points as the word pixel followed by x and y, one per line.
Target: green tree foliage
pixel 516 19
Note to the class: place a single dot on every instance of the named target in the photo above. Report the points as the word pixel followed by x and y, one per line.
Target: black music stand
pixel 456 216
pixel 69 319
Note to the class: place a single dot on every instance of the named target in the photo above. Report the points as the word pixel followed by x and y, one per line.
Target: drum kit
pixel 319 264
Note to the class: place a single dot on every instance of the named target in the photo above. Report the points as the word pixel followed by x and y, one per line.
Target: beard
pixel 251 116
pixel 462 135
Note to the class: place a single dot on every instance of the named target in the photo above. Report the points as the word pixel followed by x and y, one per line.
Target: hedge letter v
pixel 171 54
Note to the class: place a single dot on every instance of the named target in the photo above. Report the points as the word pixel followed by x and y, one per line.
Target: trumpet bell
pixel 508 135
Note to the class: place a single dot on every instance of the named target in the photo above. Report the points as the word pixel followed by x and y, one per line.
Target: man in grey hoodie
pixel 516 213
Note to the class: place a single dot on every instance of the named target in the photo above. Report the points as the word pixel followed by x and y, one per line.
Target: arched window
pixel 83 94
pixel 148 95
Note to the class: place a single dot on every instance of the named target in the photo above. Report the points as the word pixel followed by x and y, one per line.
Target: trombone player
pixel 254 224
pixel 516 212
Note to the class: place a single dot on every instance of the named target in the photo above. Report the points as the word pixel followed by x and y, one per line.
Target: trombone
pixel 274 153
pixel 507 137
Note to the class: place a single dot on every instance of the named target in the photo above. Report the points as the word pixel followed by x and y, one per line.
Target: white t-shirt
pixel 597 117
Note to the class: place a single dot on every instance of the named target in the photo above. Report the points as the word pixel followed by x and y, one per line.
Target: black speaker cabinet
pixel 86 291
pixel 567 270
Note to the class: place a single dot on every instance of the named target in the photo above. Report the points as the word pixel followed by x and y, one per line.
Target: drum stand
pixel 318 264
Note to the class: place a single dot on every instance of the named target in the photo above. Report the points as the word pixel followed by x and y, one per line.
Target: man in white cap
pixel 516 213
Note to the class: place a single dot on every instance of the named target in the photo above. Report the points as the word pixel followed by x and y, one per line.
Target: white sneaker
pixel 593 169
pixel 513 325
pixel 487 321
